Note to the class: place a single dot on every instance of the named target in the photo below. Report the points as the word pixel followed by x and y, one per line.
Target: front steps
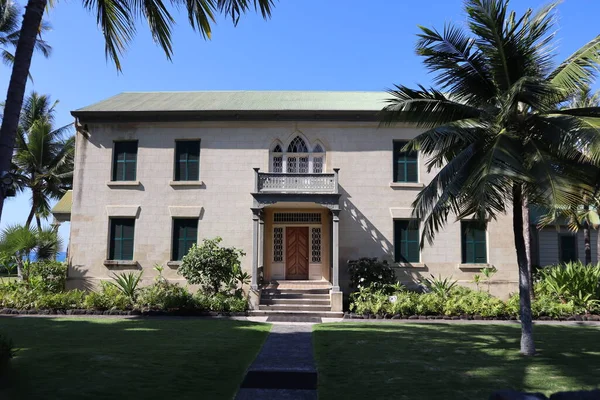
pixel 296 298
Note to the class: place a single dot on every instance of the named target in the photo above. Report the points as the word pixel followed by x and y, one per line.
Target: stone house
pixel 301 181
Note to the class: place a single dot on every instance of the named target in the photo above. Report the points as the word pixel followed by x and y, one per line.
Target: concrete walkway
pixel 284 368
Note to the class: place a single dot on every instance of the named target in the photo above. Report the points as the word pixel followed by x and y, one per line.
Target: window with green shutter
pixel 568 248
pixel 185 234
pixel 187 160
pixel 125 161
pixel 405 164
pixel 121 238
pixel 406 241
pixel 474 245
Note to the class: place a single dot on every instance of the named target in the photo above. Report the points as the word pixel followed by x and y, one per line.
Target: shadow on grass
pixel 451 361
pixel 81 358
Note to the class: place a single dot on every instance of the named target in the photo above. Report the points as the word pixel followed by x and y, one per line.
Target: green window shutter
pixel 185 234
pixel 406 241
pixel 187 160
pixel 568 248
pixel 474 242
pixel 125 161
pixel 405 164
pixel 121 238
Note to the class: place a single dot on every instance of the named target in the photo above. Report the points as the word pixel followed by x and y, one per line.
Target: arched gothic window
pixel 298 157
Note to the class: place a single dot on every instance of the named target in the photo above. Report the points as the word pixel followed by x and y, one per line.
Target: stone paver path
pixel 284 368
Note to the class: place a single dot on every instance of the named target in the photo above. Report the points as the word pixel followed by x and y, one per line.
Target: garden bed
pixel 145 313
pixel 587 317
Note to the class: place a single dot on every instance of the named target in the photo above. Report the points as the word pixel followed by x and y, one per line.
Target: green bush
pixel 571 282
pixel 440 286
pixel 213 267
pixel 18 295
pixel 430 304
pixel 108 298
pixel 368 272
pixel 163 295
pixel 466 301
pixel 65 300
pixel 48 276
pixel 220 302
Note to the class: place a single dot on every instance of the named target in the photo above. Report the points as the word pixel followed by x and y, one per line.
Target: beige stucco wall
pixel 229 151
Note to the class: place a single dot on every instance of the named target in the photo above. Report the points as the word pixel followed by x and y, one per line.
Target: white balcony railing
pixel 270 182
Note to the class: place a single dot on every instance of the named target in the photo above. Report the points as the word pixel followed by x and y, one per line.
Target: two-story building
pixel 301 181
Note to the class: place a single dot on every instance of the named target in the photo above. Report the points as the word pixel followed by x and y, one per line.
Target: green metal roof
pixel 239 101
pixel 64 204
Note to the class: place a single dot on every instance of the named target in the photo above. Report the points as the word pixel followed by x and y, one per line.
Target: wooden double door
pixel 296 252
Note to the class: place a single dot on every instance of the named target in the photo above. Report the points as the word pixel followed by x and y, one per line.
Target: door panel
pixel 296 259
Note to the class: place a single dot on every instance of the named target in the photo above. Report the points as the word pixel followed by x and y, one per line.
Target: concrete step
pixel 320 314
pixel 295 291
pixel 295 307
pixel 303 301
pixel 303 296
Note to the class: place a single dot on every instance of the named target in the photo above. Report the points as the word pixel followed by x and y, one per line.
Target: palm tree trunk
pixel 18 79
pixel 527 343
pixel 30 217
pixel 527 236
pixel 586 238
pixel 38 222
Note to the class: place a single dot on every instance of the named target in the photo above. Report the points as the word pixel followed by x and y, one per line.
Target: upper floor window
pixel 298 157
pixel 474 242
pixel 405 164
pixel 187 160
pixel 185 235
pixel 125 161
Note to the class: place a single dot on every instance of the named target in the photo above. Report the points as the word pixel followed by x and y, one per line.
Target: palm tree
pixel 9 33
pixel 117 20
pixel 21 242
pixel 578 216
pixel 43 159
pixel 495 127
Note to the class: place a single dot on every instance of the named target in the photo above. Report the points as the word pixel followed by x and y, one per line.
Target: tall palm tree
pixel 43 158
pixel 9 33
pixel 495 127
pixel 117 20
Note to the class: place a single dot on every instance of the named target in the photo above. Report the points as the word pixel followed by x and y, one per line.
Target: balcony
pixel 273 182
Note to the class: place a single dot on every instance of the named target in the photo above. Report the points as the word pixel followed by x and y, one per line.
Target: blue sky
pixel 307 45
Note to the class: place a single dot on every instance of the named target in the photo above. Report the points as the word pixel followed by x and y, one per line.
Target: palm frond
pixel 579 70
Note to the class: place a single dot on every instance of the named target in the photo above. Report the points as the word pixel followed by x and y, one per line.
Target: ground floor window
pixel 474 242
pixel 185 235
pixel 121 238
pixel 568 248
pixel 406 241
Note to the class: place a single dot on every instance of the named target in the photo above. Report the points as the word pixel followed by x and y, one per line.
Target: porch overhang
pixel 328 200
pixel 62 210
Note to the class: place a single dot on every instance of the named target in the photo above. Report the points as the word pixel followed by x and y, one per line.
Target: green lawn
pixel 401 361
pixel 86 358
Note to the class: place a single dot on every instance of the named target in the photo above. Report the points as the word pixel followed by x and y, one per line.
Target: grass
pixel 402 361
pixel 86 358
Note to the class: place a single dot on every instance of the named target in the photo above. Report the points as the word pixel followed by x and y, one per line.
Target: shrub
pixel 108 298
pixel 127 283
pixel 212 266
pixel 367 272
pixel 18 295
pixel 220 302
pixel 65 300
pixel 376 299
pixel 163 295
pixel 466 301
pixel 47 276
pixel 439 286
pixel 430 304
pixel 571 282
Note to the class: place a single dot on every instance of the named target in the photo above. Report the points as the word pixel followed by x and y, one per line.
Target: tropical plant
pixel 367 272
pixel 22 242
pixel 495 127
pixel 440 286
pixel 572 282
pixel 47 276
pixel 163 295
pixel 118 22
pixel 211 266
pixel 43 159
pixel 127 283
pixel 109 297
pixel 9 33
